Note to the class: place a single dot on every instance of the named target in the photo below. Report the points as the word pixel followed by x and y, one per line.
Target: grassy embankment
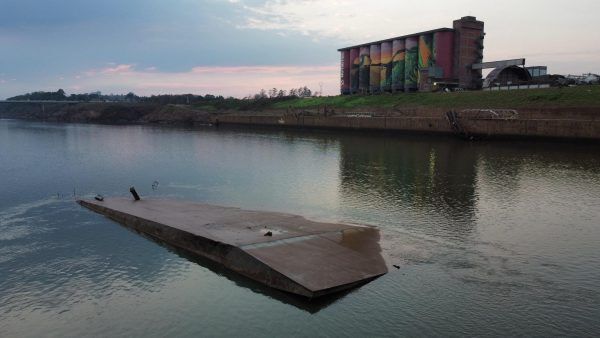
pixel 582 96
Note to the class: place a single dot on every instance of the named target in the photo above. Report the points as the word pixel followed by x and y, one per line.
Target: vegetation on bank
pixel 301 98
pixel 208 102
pixel 580 96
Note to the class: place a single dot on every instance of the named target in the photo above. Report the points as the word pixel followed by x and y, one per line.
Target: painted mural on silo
pixel 345 72
pixel 425 59
pixel 375 69
pixel 398 59
pixel 385 80
pixel 364 70
pixel 443 53
pixel 411 64
pixel 354 70
pixel 425 51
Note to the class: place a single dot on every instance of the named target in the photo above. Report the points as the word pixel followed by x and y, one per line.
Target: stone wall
pixel 586 128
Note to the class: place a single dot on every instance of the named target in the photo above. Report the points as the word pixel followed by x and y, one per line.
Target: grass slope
pixel 582 96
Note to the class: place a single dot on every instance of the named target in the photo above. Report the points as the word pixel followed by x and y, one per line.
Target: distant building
pixel 588 78
pixel 537 71
pixel 591 78
pixel 423 61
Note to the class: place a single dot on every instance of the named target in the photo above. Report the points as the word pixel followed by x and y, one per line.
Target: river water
pixel 493 238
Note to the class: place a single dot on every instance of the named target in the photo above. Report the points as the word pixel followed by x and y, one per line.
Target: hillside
pixel 581 102
pixel 570 97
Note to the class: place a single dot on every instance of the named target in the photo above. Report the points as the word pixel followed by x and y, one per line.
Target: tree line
pixel 263 95
pixel 60 95
pixel 280 93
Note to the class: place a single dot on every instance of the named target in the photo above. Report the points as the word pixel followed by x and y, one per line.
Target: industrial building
pixel 443 57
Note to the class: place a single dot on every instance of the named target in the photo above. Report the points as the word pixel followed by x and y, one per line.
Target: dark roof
pixel 522 73
pixel 399 37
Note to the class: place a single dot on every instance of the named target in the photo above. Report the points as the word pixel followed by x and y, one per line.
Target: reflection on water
pixel 492 238
pixel 412 176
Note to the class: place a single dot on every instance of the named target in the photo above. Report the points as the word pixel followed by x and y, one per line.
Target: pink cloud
pixel 112 69
pixel 264 69
pixel 117 69
pixel 236 81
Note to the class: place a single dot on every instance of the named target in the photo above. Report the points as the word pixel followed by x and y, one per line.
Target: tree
pixel 306 92
pixel 273 92
pixel 130 97
pixel 261 95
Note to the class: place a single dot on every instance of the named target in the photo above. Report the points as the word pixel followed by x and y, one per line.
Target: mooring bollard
pixel 134 193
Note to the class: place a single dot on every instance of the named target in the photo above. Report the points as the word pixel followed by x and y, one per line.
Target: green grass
pixel 582 96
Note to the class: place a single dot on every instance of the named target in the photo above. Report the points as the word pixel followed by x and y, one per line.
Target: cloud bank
pixel 237 47
pixel 237 81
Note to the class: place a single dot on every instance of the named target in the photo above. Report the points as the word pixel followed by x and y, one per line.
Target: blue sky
pixel 237 47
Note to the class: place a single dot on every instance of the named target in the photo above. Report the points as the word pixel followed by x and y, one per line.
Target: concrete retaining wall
pixel 531 127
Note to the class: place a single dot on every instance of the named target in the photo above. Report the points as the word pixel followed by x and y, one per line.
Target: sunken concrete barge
pixel 283 251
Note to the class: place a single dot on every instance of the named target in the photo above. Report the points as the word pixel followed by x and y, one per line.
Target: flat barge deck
pixel 283 251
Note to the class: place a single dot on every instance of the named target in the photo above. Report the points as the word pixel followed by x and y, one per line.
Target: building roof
pixel 521 73
pixel 398 38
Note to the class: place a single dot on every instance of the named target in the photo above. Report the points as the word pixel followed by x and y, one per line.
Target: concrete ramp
pixel 301 256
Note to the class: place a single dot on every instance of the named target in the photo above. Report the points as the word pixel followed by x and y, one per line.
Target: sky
pixel 236 47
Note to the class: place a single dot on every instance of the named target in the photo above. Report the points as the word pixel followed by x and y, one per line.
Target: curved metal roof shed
pixel 506 75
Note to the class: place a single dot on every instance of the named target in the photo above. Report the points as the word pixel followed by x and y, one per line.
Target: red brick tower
pixel 468 49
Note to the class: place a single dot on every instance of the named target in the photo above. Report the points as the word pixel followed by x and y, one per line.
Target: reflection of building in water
pixel 433 177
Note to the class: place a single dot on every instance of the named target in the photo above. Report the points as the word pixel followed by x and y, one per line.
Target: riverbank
pixel 567 113
pixel 469 124
pixel 105 113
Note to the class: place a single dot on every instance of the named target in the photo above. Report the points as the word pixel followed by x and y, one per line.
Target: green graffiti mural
pixel 364 70
pixel 398 59
pixel 411 64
